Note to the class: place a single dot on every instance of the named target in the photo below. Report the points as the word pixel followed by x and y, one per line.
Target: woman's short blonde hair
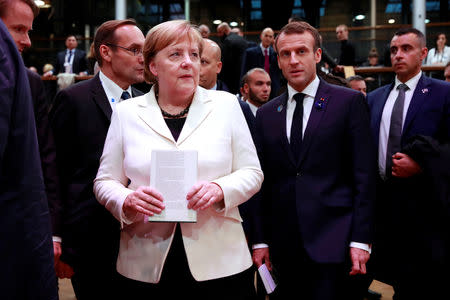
pixel 165 34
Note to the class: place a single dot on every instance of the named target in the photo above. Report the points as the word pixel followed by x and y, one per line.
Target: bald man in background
pixel 211 65
pixel 204 31
pixel 263 56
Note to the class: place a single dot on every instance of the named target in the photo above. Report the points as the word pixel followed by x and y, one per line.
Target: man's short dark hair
pixel 355 78
pixel 299 28
pixel 416 32
pixel 5 3
pixel 105 34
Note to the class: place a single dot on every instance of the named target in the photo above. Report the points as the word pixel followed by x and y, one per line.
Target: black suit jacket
pixel 46 143
pixel 80 121
pixel 26 251
pixel 324 197
pixel 347 57
pixel 254 58
pixel 79 62
pixel 233 48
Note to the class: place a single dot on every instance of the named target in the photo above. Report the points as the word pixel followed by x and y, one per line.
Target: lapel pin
pixel 320 104
pixel 424 91
pixel 280 108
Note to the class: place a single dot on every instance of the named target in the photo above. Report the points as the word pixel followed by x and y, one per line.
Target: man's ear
pixel 219 67
pixel 424 53
pixel 318 55
pixel 246 88
pixel 105 53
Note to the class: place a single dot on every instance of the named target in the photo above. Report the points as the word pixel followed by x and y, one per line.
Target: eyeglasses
pixel 135 51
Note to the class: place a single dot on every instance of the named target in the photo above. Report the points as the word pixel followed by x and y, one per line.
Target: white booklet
pixel 173 173
pixel 267 279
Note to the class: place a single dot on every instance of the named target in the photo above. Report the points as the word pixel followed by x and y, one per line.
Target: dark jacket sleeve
pixel 434 159
pixel 47 149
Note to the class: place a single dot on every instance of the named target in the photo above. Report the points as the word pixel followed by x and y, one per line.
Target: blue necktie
pixel 125 95
pixel 297 124
pixel 70 56
pixel 395 130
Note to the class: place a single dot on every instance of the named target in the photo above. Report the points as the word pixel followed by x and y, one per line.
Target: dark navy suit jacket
pixel 26 251
pixel 408 211
pixel 324 197
pixel 46 142
pixel 254 58
pixel 79 62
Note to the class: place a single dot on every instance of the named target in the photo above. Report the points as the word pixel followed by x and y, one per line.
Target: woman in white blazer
pixel 208 259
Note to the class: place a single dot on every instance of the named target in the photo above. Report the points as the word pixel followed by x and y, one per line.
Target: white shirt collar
pixel 253 107
pixel 310 90
pixel 112 90
pixel 412 83
pixel 262 48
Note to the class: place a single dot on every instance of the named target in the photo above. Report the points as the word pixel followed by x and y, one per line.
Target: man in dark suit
pixel 80 122
pixel 71 60
pixel 38 96
pixel 233 47
pixel 263 56
pixel 319 168
pixel 257 86
pixel 411 247
pixel 26 254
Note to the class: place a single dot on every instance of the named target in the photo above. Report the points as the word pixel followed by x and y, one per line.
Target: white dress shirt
pixel 386 118
pixel 262 49
pixel 310 93
pixel 68 55
pixel 253 107
pixel 112 90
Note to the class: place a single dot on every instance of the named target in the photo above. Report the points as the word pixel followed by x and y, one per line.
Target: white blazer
pixel 215 126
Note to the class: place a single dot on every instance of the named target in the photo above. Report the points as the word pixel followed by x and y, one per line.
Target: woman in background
pixel 439 55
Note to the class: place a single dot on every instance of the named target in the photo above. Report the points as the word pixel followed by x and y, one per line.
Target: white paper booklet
pixel 173 173
pixel 267 278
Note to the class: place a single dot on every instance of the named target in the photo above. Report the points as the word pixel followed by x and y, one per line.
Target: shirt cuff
pixel 259 246
pixel 362 246
pixel 57 239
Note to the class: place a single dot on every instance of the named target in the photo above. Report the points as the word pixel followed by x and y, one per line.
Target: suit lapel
pixel 417 100
pixel 377 112
pixel 150 113
pixel 100 98
pixel 200 108
pixel 315 117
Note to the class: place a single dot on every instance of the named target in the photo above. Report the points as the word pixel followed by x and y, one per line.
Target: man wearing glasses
pixel 80 120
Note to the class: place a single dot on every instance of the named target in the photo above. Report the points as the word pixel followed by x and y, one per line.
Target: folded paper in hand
pixel 173 173
pixel 267 278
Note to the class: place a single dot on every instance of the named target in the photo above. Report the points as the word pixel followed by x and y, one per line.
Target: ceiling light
pixel 427 21
pixel 360 17
pixel 234 24
pixel 39 3
pixel 217 22
pixel 391 21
